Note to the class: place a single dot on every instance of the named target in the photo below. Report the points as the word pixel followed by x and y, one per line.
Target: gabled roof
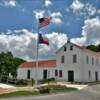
pixel 41 64
pixel 82 48
pixel 87 50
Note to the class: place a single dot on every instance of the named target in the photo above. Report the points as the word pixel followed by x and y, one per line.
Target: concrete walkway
pixel 6 86
pixel 78 86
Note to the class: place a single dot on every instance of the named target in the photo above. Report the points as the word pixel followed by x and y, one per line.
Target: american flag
pixel 44 21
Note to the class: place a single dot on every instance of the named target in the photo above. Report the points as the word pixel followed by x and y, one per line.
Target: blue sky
pixel 22 16
pixel 75 19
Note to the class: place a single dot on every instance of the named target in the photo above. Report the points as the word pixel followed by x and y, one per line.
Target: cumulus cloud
pixel 22 43
pixel 90 32
pixel 84 9
pixel 79 41
pixel 56 17
pixel 48 3
pixel 76 5
pixel 11 3
pixel 91 10
pixel 39 13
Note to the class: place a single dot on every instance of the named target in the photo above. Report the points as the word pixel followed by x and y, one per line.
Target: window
pixel 64 48
pixel 74 58
pixel 87 59
pixel 56 72
pixel 28 74
pixel 60 73
pixel 71 47
pixel 62 59
pixel 92 61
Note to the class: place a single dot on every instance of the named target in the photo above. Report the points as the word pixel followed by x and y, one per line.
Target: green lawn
pixel 63 90
pixel 45 89
pixel 19 93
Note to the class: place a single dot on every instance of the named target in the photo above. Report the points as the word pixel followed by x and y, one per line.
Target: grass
pixel 56 89
pixel 63 90
pixel 18 93
pixel 45 89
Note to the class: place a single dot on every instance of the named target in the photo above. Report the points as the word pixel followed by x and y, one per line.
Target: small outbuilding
pixel 45 70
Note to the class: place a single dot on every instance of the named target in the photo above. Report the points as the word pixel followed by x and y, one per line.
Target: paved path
pixel 6 86
pixel 89 93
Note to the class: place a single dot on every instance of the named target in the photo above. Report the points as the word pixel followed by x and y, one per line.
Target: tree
pixel 94 48
pixel 9 63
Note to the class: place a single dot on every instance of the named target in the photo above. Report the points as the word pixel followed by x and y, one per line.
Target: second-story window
pixel 64 48
pixel 62 59
pixel 74 58
pixel 71 47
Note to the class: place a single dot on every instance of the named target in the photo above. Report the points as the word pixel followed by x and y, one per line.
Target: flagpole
pixel 45 22
pixel 37 54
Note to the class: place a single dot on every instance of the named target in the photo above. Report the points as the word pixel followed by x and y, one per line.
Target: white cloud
pixel 11 3
pixel 90 32
pixel 48 2
pixel 56 17
pixel 76 5
pixel 79 41
pixel 84 9
pixel 91 10
pixel 56 14
pixel 39 13
pixel 23 44
pixel 57 20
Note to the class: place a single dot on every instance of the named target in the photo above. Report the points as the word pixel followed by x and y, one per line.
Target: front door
pixel 70 76
pixel 96 76
pixel 28 74
pixel 44 74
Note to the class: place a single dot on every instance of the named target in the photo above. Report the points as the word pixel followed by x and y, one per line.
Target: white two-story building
pixel 78 63
pixel 73 63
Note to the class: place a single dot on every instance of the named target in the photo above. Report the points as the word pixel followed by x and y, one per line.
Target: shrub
pixel 21 82
pixel 43 90
pixel 50 79
pixel 30 81
pixel 46 80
